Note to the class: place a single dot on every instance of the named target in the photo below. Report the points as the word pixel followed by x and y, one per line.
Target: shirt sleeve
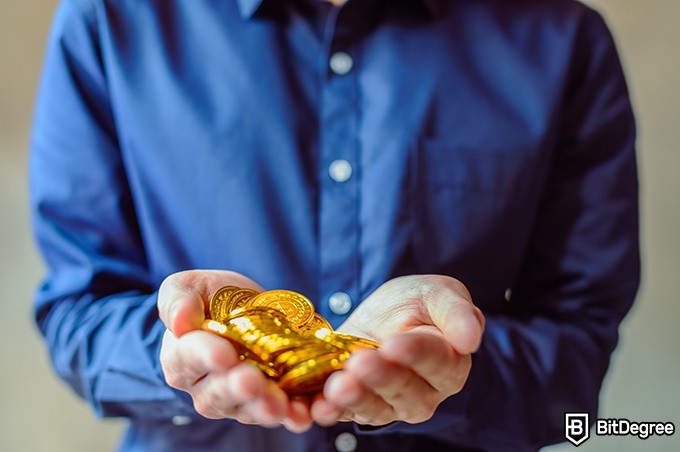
pixel 96 306
pixel 547 351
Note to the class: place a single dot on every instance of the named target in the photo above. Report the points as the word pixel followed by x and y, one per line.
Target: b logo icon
pixel 576 427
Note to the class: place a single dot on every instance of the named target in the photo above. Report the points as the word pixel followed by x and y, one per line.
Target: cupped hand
pixel 429 328
pixel 207 366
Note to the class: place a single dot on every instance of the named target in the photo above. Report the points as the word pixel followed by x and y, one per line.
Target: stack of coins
pixel 279 332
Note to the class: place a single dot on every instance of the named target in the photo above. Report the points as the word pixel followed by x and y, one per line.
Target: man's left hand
pixel 429 328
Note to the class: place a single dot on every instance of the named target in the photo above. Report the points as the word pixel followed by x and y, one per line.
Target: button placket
pixel 338 172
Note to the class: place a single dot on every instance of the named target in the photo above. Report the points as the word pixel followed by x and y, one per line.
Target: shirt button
pixel 340 170
pixel 346 442
pixel 341 63
pixel 181 420
pixel 340 303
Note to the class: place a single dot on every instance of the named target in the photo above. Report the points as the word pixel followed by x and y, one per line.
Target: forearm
pixel 106 349
pixel 529 371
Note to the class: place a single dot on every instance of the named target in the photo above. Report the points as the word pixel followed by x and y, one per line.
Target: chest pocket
pixel 444 166
pixel 466 201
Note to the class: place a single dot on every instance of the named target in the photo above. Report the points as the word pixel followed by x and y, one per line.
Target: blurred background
pixel 39 413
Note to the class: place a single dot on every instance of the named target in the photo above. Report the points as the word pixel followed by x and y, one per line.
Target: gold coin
pixel 220 329
pixel 311 349
pixel 239 298
pixel 264 331
pixel 310 375
pixel 270 346
pixel 260 312
pixel 263 367
pixel 316 323
pixel 349 342
pixel 251 318
pixel 241 330
pixel 228 333
pixel 298 308
pixel 218 302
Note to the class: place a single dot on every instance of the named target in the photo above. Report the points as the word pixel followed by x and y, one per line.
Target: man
pixel 407 165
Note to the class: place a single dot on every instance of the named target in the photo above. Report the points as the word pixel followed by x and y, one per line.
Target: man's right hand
pixel 207 366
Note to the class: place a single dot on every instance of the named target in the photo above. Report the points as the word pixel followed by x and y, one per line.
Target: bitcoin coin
pixel 262 366
pixel 251 319
pixel 298 308
pixel 316 323
pixel 221 329
pixel 270 346
pixel 235 337
pixel 219 306
pixel 309 376
pixel 291 358
pixel 239 298
pixel 349 342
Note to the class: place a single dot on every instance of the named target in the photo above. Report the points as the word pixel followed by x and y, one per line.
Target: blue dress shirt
pixel 327 150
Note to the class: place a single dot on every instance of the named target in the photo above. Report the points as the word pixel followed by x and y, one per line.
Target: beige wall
pixel 38 413
pixel 643 381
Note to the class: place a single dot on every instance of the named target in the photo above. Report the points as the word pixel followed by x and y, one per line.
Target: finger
pixel 234 394
pixel 346 390
pixel 327 414
pixel 191 357
pixel 299 418
pixel 409 395
pixel 429 356
pixel 270 406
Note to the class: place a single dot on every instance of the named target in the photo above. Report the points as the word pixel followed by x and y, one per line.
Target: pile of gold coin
pixel 279 332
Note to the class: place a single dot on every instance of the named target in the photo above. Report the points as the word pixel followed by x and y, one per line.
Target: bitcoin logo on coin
pixel 298 308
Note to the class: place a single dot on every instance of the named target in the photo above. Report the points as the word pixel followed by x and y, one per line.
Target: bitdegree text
pixel 623 427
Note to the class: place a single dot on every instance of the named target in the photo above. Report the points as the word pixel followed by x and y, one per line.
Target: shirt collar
pixel 249 7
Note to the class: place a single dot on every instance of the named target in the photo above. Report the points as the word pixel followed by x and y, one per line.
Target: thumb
pixel 180 306
pixel 183 297
pixel 450 307
pixel 463 327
